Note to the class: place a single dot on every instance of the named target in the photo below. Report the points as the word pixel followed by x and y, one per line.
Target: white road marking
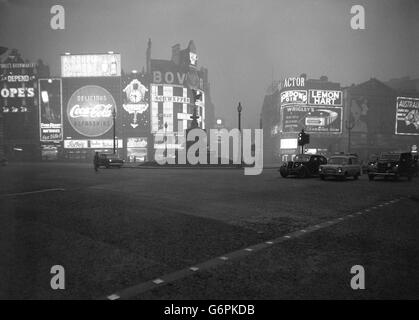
pixel 159 281
pixel 31 192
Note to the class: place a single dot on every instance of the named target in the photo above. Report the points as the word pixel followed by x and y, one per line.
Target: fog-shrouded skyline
pixel 245 44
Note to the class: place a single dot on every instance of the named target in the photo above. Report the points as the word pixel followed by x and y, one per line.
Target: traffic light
pixel 303 138
pixel 197 96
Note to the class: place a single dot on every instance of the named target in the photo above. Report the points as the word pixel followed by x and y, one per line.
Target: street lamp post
pixel 349 124
pixel 239 111
pixel 165 139
pixel 114 130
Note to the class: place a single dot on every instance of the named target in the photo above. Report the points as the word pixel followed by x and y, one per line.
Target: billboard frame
pixel 396 122
pixel 61 109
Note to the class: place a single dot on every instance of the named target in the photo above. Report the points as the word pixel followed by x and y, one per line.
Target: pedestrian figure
pixel 96 161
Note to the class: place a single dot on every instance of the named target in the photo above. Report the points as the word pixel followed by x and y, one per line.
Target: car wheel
pixel 409 177
pixel 303 173
pixel 356 176
pixel 284 173
pixel 396 177
pixel 322 177
pixel 371 177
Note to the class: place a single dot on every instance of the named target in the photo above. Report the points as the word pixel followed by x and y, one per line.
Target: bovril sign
pixel 89 111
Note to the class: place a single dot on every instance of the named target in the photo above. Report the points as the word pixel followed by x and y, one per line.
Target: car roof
pixel 344 156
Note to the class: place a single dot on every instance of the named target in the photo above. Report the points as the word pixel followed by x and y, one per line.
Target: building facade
pixel 366 119
pixel 296 103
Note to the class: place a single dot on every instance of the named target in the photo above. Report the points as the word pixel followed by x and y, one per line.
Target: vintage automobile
pixel 303 166
pixel 110 160
pixel 393 164
pixel 341 167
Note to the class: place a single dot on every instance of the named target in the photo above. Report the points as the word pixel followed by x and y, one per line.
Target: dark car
pixel 110 160
pixel 303 166
pixel 393 164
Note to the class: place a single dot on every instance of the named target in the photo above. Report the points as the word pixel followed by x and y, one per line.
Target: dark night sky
pixel 242 42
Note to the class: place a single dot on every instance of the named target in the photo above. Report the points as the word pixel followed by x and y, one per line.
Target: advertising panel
pixel 136 107
pixel 325 97
pixel 293 97
pixel 407 116
pixel 88 106
pixel 171 105
pixel 50 110
pixel 314 119
pixel 17 87
pixel 92 144
pixel 89 111
pixel 91 65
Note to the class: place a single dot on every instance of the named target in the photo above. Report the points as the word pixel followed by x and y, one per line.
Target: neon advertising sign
pixel 89 111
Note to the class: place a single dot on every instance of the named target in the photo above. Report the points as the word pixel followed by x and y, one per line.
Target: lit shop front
pixel 91 105
pixel 313 105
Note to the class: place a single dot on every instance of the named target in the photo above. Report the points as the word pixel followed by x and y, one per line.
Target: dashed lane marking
pixel 149 285
pixel 31 192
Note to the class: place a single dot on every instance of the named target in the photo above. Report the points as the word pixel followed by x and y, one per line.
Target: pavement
pixel 203 234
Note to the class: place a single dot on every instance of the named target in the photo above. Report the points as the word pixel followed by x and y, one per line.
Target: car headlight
pixel 339 169
pixel 110 160
pixel 320 169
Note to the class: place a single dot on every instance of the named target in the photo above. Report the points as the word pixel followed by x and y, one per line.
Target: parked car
pixel 110 160
pixel 393 164
pixel 341 167
pixel 303 166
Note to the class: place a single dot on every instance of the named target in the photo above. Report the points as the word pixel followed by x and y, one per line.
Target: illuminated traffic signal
pixel 300 138
pixel 303 138
pixel 197 96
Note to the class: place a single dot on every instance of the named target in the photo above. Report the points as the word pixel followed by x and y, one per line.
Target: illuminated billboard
pixel 50 110
pixel 293 97
pixel 93 144
pixel 325 97
pixel 91 65
pixel 89 111
pixel 314 119
pixel 407 116
pixel 17 87
pixel 88 104
pixel 172 105
pixel 136 106
pixel 288 144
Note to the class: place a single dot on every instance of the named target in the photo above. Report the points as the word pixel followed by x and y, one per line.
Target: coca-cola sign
pixel 89 111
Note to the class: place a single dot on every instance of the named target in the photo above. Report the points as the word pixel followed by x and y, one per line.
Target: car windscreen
pixel 302 158
pixel 390 157
pixel 337 160
pixel 113 157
